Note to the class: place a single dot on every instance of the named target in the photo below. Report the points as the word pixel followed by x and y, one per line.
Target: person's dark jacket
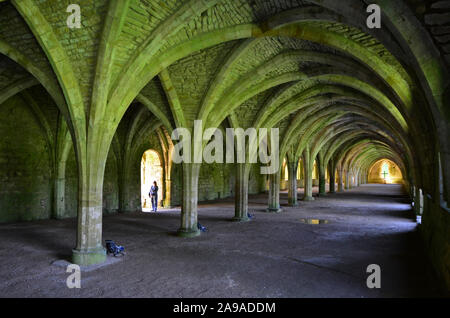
pixel 153 191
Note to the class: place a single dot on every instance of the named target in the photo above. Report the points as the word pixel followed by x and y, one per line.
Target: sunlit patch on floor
pixel 314 221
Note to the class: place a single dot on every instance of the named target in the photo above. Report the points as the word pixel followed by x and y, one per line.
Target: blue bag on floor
pixel 201 227
pixel 250 216
pixel 113 248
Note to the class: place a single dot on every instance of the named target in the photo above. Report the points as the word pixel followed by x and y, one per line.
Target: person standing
pixel 154 195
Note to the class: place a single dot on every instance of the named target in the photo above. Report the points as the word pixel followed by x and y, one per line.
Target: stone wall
pixel 435 231
pixel 71 187
pixel 25 165
pixel 111 185
pixel 27 172
pixel 215 181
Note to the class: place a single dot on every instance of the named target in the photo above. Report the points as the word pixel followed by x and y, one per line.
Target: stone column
pixel 292 189
pixel 341 180
pixel 123 204
pixel 283 184
pixel 444 170
pixel 308 169
pixel 168 191
pixel 332 180
pixel 241 196
pixel 347 180
pixel 302 174
pixel 420 202
pixel 60 203
pixel 124 194
pixel 89 249
pixel 274 193
pixel 189 201
pixel 322 181
pixel 263 185
pixel 416 201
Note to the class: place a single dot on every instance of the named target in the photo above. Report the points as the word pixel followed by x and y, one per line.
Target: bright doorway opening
pixel 151 170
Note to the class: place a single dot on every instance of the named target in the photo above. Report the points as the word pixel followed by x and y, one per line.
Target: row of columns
pixel 292 185
pixel 190 176
pixel 307 164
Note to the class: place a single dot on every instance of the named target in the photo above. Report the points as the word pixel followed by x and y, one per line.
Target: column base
pixel 331 192
pixel 240 219
pixel 322 194
pixel 293 204
pixel 89 257
pixel 419 219
pixel 188 233
pixel 274 210
pixel 308 199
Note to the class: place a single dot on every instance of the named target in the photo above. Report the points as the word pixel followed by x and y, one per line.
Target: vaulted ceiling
pixel 333 86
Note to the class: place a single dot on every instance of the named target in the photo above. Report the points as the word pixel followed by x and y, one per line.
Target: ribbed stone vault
pixel 341 94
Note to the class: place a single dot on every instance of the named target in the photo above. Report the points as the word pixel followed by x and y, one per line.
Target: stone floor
pixel 274 255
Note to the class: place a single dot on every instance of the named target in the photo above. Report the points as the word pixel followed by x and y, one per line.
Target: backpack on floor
pixel 201 227
pixel 250 216
pixel 113 248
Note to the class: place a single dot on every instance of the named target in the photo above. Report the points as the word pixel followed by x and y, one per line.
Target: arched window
pixel 385 171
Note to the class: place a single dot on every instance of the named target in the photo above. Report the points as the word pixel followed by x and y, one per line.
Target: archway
pixel 151 170
pixel 385 171
pixel 315 174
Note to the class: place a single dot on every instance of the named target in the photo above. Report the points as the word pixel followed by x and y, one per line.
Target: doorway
pixel 151 170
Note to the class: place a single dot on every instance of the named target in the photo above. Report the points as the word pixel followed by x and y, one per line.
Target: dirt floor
pixel 274 255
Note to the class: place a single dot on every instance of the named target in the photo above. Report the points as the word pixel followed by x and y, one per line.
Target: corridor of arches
pixel 91 116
